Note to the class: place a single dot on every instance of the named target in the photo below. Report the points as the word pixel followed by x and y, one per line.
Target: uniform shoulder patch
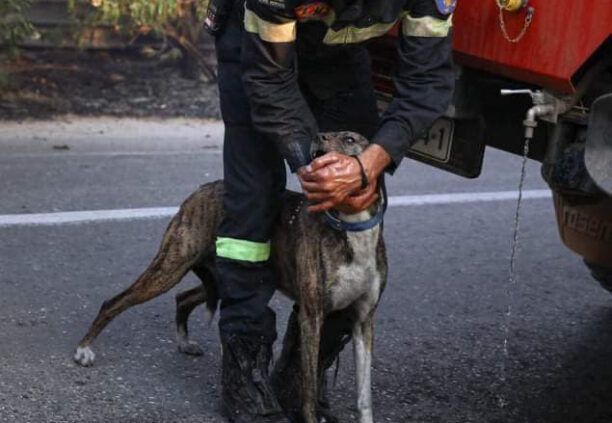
pixel 312 10
pixel 446 7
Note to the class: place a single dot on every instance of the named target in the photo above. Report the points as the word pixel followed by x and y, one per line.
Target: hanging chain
pixel 526 25
pixel 510 287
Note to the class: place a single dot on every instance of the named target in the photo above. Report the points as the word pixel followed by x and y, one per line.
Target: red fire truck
pixel 540 69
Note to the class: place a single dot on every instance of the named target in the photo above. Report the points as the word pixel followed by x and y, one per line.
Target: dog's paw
pixel 84 356
pixel 190 348
pixel 326 416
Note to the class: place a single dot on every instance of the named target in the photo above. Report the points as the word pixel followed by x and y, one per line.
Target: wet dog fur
pixel 323 270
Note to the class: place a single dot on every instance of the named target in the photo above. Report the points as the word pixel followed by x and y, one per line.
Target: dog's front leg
pixel 310 321
pixel 310 334
pixel 363 333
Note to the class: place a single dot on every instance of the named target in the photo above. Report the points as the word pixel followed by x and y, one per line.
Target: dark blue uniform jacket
pixel 424 82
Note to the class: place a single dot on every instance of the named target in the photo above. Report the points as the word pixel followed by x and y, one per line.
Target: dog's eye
pixel 350 140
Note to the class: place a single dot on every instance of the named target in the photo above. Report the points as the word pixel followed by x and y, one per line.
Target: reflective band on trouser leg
pixel 426 26
pixel 240 249
pixel 354 35
pixel 269 31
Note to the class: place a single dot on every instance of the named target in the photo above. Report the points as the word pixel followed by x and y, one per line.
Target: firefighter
pixel 289 69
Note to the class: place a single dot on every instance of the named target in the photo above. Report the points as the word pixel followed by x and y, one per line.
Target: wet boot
pixel 247 396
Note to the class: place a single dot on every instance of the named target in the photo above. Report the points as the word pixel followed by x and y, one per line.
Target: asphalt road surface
pixel 439 353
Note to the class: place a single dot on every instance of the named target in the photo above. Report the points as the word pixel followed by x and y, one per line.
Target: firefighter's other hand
pixel 361 200
pixel 329 180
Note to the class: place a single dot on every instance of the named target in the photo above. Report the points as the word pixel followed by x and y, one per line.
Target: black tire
pixel 603 274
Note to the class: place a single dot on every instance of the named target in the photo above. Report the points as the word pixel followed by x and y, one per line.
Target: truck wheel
pixel 585 226
pixel 602 274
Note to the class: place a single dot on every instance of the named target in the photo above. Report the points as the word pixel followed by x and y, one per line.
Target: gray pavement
pixel 438 355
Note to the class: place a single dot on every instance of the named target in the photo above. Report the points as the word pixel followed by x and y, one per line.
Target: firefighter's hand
pixel 329 180
pixel 361 200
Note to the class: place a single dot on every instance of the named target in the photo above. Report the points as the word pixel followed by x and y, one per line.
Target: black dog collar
pixel 333 220
pixel 338 224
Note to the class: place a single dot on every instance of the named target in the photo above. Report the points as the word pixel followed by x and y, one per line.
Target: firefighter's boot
pixel 246 393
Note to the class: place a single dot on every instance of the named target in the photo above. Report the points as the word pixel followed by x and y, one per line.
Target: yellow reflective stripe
pixel 240 249
pixel 268 31
pixel 426 26
pixel 352 34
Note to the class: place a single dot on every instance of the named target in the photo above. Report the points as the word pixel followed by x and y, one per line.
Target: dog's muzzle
pixel 318 153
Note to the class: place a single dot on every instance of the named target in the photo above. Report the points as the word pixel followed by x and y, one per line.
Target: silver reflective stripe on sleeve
pixel 426 26
pixel 268 31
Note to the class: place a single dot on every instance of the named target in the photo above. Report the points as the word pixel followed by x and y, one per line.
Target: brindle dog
pixel 325 271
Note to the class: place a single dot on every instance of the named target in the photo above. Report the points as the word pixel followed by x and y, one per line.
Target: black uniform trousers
pixel 336 82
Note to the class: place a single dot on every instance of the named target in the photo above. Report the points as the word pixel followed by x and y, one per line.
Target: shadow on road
pixel 579 388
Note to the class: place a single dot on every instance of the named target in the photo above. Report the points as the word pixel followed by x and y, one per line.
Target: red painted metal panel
pixel 563 35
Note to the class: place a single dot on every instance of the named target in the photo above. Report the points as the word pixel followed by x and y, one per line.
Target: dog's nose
pixel 318 153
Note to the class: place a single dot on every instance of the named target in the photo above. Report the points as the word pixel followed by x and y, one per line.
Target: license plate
pixel 454 145
pixel 438 143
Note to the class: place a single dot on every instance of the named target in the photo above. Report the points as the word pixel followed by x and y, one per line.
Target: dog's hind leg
pixel 178 253
pixel 363 334
pixel 187 301
pixel 152 283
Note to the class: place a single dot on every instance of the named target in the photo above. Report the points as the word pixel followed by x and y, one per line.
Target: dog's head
pixel 345 142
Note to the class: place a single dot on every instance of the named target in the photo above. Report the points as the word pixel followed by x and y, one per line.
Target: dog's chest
pixel 359 280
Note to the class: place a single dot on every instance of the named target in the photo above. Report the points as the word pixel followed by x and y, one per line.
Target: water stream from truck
pixel 511 285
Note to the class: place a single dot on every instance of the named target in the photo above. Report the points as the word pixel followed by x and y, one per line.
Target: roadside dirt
pixel 45 84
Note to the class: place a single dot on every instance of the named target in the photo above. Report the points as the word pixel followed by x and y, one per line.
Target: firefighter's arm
pixel 278 108
pixel 424 82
